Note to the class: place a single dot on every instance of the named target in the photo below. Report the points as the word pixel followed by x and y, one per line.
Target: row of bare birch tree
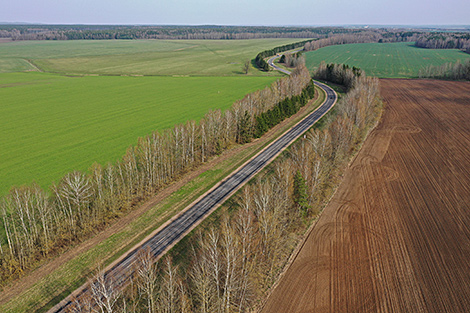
pixel 451 71
pixel 444 41
pixel 234 262
pixel 341 74
pixel 38 223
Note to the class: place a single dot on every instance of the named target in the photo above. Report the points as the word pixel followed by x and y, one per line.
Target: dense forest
pixel 99 32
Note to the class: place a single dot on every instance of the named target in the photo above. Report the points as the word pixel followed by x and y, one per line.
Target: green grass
pixel 139 57
pixel 385 60
pixel 9 65
pixel 52 124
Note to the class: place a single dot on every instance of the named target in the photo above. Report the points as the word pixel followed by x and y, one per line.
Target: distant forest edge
pixel 445 41
pixel 98 32
pixel 325 35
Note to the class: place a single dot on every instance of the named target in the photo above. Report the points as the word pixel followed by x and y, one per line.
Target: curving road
pixel 277 68
pixel 169 234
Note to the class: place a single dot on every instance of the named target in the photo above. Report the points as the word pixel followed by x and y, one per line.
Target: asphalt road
pixel 120 273
pixel 277 68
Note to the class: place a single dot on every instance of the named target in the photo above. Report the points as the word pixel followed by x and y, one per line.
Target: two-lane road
pixel 277 68
pixel 169 234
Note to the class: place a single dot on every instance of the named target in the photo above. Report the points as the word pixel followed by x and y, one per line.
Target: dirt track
pixel 396 236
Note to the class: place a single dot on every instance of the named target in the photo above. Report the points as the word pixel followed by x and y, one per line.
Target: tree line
pixel 340 74
pixel 234 261
pixel 450 71
pixel 282 110
pixel 292 59
pixel 38 223
pixel 108 32
pixel 445 41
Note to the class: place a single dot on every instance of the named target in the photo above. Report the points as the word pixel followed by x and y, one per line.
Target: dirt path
pixel 396 236
pixel 26 282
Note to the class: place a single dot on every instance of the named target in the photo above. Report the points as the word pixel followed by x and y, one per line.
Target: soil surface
pixel 396 235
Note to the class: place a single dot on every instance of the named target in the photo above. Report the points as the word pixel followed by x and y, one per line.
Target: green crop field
pixel 9 65
pixel 52 124
pixel 391 60
pixel 57 115
pixel 137 57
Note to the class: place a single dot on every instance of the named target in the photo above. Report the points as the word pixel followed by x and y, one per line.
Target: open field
pixel 391 60
pixel 53 124
pixel 396 236
pixel 138 57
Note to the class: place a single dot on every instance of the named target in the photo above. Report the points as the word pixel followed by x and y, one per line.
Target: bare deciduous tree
pixel 147 279
pixel 246 66
pixel 105 295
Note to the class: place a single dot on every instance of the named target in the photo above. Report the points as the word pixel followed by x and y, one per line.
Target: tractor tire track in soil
pixel 396 235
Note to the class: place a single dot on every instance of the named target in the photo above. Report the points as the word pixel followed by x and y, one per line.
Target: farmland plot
pixel 396 236
pixel 52 124
pixel 385 60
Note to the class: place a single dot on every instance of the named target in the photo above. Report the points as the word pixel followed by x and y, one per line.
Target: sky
pixel 239 12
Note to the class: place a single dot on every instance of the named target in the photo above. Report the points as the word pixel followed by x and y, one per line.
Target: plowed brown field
pixel 396 236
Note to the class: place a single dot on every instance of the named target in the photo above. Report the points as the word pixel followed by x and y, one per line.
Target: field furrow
pixel 395 237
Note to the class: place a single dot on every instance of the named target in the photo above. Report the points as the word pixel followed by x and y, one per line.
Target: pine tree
pixel 244 133
pixel 300 193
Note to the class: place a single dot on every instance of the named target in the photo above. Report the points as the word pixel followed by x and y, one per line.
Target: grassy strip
pixel 48 291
